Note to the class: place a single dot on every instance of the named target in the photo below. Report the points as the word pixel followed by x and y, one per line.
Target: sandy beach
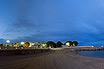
pixel 64 59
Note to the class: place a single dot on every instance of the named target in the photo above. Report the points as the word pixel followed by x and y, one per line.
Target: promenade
pixel 61 59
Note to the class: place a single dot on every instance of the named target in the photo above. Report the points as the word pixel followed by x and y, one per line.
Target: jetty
pixel 86 48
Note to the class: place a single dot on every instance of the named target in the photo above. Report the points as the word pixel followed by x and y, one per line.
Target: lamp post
pixel 43 45
pixel 32 44
pixel 22 45
pixel 7 41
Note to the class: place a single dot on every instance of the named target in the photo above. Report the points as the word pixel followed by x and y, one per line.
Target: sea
pixel 96 54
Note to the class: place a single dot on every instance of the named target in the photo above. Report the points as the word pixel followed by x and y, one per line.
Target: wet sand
pixel 51 60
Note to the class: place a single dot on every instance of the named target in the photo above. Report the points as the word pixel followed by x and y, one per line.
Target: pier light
pixel 8 41
pixel 22 43
pixel 92 46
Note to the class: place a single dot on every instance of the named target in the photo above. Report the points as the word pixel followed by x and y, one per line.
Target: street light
pixel 22 43
pixel 7 41
pixel 43 45
pixel 32 43
pixel 92 46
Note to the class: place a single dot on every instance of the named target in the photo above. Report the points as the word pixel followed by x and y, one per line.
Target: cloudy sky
pixel 56 20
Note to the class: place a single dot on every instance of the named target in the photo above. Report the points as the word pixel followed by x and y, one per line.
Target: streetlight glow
pixel 8 41
pixel 32 43
pixel 92 46
pixel 22 43
pixel 43 45
pixel 68 43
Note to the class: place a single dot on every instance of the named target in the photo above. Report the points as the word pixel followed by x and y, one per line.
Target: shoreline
pixel 59 59
pixel 91 62
pixel 76 51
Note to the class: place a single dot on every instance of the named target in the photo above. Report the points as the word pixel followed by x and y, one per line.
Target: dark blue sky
pixel 44 20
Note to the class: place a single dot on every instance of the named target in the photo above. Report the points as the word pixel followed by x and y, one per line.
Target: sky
pixel 52 20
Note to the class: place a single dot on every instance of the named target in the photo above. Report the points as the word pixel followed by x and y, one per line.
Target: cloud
pixel 20 26
pixel 59 20
pixel 2 40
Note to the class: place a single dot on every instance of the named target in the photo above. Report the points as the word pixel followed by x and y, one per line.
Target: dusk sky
pixel 56 20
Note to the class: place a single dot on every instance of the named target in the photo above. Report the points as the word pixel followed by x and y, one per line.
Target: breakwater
pixel 87 48
pixel 5 52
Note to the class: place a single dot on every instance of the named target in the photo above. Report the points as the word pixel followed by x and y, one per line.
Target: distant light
pixel 68 43
pixel 101 46
pixel 43 44
pixel 22 43
pixel 49 46
pixel 92 46
pixel 8 41
pixel 21 47
pixel 32 43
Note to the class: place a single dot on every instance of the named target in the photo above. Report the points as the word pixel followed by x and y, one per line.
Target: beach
pixel 61 59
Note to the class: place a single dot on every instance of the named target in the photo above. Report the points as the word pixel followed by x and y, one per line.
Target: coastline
pixel 60 59
pixel 91 62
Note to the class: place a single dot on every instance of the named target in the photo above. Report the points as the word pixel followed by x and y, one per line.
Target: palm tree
pixel 51 44
pixel 75 43
pixel 27 44
pixel 59 44
pixel 16 44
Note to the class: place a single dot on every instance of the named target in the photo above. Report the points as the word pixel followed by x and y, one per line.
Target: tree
pixel 51 44
pixel 27 44
pixel 4 45
pixel 38 44
pixel 59 44
pixel 1 45
pixel 75 43
pixel 42 42
pixel 16 44
pixel 12 45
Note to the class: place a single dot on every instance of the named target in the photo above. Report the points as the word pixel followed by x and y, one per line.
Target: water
pixel 96 54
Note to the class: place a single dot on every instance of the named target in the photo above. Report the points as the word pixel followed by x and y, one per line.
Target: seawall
pixel 8 52
pixel 5 52
pixel 87 48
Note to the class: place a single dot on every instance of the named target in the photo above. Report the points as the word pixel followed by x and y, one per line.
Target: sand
pixel 51 60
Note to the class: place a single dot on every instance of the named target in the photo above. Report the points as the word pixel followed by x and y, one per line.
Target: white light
pixel 8 41
pixel 22 43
